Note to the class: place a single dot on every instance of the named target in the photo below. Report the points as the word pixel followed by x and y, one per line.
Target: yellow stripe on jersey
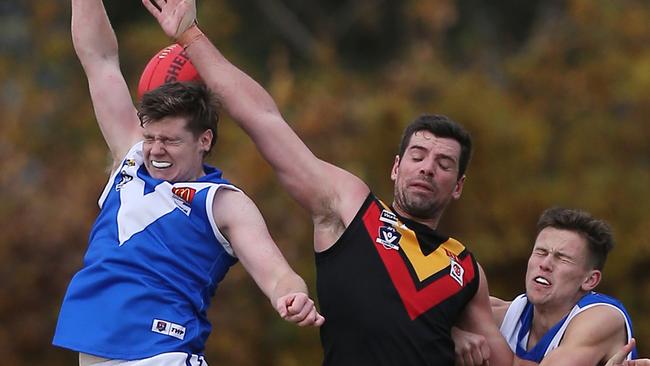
pixel 426 266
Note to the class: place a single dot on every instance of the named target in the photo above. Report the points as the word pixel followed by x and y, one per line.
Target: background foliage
pixel 555 93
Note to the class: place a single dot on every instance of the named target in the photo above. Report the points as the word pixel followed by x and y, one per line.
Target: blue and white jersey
pixel 519 319
pixel 154 260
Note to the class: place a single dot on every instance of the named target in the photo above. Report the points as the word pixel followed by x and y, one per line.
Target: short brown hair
pixel 597 233
pixel 185 99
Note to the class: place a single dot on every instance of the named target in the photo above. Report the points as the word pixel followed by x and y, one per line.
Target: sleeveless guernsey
pixel 519 319
pixel 154 259
pixel 390 290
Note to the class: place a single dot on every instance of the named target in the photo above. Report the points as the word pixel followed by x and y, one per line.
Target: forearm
pixel 243 98
pixel 287 284
pixel 92 35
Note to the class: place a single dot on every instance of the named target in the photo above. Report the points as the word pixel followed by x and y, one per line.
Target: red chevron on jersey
pixel 422 282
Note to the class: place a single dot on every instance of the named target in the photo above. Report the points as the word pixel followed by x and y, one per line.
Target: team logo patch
pixel 130 162
pixel 168 328
pixel 388 237
pixel 124 179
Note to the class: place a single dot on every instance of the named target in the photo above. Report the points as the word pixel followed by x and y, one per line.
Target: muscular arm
pixel 246 231
pixel 499 308
pixel 477 318
pixel 330 194
pixel 591 338
pixel 96 46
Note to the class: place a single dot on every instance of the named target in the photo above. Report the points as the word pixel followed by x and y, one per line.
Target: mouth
pixel 542 281
pixel 160 164
pixel 423 186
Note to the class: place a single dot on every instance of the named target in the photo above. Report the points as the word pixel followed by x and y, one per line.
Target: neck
pixel 545 317
pixel 431 222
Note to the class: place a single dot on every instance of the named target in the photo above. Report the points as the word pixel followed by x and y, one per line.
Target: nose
pixel 157 147
pixel 427 168
pixel 546 263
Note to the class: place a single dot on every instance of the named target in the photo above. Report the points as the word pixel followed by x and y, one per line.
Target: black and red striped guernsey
pixel 390 290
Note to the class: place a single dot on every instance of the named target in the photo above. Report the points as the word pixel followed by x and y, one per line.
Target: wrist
pixel 189 36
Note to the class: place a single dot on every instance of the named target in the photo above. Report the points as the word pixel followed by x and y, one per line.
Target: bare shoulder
pixel 499 309
pixel 341 196
pixel 602 326
pixel 239 207
pixel 601 318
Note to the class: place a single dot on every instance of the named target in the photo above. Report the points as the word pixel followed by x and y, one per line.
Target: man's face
pixel 426 178
pixel 171 152
pixel 559 271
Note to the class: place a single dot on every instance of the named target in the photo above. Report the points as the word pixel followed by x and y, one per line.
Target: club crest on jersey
pixel 388 217
pixel 389 237
pixel 124 179
pixel 129 162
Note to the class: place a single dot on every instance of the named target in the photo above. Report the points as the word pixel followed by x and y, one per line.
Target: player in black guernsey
pixel 389 286
pixel 401 280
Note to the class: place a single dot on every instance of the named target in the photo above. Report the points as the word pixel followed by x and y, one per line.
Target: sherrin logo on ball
pixel 170 64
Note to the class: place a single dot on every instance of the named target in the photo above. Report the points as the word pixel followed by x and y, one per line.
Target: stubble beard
pixel 417 206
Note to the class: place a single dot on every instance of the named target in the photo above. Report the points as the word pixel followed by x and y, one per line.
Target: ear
pixel 393 171
pixel 458 189
pixel 592 280
pixel 205 140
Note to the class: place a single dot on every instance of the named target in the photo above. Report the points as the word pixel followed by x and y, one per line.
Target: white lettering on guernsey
pixel 388 217
pixel 168 328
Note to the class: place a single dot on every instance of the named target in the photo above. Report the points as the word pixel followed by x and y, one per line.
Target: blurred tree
pixel 555 93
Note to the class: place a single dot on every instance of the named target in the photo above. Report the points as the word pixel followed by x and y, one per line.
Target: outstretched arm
pixel 326 191
pixel 96 46
pixel 241 222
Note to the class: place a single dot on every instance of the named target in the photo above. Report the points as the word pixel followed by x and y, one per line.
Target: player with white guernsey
pixel 561 320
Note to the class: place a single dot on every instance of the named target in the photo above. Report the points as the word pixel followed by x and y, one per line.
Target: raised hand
pixel 174 16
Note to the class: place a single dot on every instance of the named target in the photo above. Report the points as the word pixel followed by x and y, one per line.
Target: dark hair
pixel 441 126
pixel 182 99
pixel 597 233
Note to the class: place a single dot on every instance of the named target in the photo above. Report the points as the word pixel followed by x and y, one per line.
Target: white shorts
pixel 163 359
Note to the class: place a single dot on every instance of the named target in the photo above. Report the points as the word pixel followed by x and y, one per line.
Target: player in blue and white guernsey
pixel 389 284
pixel 169 227
pixel 561 320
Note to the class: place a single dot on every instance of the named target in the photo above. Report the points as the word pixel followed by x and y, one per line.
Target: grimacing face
pixel 426 177
pixel 172 152
pixel 559 270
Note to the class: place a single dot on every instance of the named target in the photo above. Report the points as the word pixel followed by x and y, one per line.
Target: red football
pixel 170 64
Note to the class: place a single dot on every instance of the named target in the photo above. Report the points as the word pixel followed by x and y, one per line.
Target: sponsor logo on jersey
pixel 168 328
pixel 456 271
pixel 183 196
pixel 388 237
pixel 388 217
pixel 185 193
